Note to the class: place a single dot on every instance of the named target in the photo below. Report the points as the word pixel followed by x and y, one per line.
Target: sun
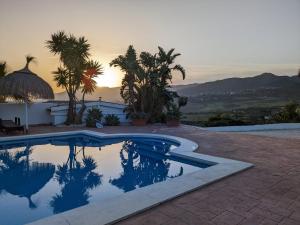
pixel 109 78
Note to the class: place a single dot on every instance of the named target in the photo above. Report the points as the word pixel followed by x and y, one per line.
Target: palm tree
pixel 158 71
pixel 129 65
pixel 74 58
pixel 88 85
pixel 146 84
pixel 3 72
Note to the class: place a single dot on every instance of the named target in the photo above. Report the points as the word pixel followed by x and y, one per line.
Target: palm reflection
pixel 20 177
pixel 143 164
pixel 76 179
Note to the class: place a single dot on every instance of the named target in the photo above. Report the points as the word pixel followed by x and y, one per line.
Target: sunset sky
pixel 217 38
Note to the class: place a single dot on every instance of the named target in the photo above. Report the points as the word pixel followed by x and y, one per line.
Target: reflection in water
pixel 76 179
pixel 139 169
pixel 39 172
pixel 21 178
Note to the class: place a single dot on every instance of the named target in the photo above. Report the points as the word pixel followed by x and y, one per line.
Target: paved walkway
pixel 292 134
pixel 267 194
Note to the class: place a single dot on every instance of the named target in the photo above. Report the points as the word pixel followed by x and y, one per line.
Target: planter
pixel 138 122
pixel 173 123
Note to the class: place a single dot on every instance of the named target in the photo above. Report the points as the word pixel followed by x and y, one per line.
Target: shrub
pixel 139 115
pixel 112 120
pixel 223 120
pixel 93 116
pixel 173 113
pixel 289 113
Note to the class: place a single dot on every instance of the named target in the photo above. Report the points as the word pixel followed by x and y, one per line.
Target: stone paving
pixel 266 194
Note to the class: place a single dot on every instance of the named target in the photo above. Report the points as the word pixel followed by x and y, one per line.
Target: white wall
pixel 59 113
pixel 37 112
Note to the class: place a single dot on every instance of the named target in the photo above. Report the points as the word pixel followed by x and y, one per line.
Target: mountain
pixel 265 81
pixel 254 96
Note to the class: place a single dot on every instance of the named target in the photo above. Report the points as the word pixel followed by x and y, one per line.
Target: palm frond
pixel 29 59
pixel 3 69
pixel 180 69
pixel 61 76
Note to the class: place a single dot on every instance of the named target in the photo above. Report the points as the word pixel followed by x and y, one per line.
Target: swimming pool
pixel 44 175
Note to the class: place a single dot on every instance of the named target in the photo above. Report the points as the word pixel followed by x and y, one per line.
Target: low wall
pixel 53 113
pixel 59 113
pixel 37 112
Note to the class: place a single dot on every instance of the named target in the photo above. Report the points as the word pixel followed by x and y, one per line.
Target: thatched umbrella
pixel 25 85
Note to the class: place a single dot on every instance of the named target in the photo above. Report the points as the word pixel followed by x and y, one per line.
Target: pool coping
pixel 122 206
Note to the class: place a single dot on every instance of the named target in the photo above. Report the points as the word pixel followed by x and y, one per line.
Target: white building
pixel 55 112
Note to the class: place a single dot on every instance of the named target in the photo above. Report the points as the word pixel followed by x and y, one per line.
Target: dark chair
pixel 8 126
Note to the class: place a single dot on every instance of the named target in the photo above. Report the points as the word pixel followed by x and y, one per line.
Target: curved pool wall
pixel 116 208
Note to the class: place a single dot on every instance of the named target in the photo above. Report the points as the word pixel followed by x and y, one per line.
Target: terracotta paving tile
pixel 193 219
pixel 174 222
pixel 267 194
pixel 268 222
pixel 277 210
pixel 228 218
pixel 288 221
pixel 266 213
pixel 156 218
pixel 170 210
pixel 252 220
pixel 296 216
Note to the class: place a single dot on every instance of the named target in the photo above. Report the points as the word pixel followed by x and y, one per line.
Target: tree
pixel 88 85
pixel 146 84
pixel 74 65
pixel 161 75
pixel 129 65
pixel 3 72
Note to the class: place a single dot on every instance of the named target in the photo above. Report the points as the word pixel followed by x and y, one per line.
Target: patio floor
pixel 266 194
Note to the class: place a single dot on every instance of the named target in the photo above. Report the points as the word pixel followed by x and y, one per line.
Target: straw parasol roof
pixel 25 84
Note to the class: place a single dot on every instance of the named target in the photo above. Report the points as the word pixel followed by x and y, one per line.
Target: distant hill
pixel 265 81
pixel 249 99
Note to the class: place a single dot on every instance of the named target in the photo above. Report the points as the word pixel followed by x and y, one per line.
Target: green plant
pixel 3 73
pixel 112 120
pixel 138 115
pixel 146 84
pixel 93 116
pixel 75 64
pixel 289 113
pixel 223 120
pixel 173 113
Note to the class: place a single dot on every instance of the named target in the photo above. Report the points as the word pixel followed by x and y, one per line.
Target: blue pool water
pixel 41 177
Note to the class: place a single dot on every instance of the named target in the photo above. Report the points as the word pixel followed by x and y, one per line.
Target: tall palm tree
pixel 129 65
pixel 146 84
pixel 74 63
pixel 158 70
